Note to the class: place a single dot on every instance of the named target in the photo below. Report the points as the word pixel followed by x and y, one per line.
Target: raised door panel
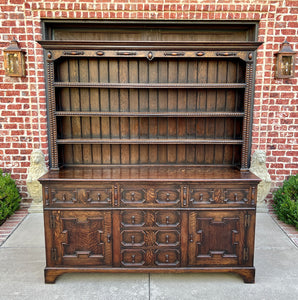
pixel 81 238
pixel 218 238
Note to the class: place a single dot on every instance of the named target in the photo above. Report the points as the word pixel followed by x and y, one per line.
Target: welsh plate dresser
pixel 149 133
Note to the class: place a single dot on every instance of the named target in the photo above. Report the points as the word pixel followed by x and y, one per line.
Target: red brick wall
pixel 23 124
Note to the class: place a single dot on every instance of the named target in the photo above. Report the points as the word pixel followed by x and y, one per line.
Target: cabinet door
pixel 78 238
pixel 218 238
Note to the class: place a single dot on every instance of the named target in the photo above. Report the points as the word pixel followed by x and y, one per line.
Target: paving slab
pixel 22 260
pixel 30 233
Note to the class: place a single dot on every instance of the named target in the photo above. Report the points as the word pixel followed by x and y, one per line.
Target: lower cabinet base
pixel 247 273
pixel 155 220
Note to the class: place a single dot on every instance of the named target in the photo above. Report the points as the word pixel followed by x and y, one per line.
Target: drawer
pixel 167 195
pixel 167 218
pixel 168 238
pixel 96 196
pixel 221 195
pixel 200 195
pixel 167 258
pixel 59 196
pixel 133 218
pixel 130 238
pixel 133 257
pixel 150 195
pixel 151 258
pixel 235 195
pixel 139 238
pixel 133 195
pixel 151 218
pixel 63 196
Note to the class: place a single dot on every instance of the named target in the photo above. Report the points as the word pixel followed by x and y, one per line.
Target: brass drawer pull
pixel 132 196
pixel 167 220
pixel 109 236
pixel 184 196
pixel 116 195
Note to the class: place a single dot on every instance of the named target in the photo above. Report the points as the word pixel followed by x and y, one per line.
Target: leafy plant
pixel 9 196
pixel 286 201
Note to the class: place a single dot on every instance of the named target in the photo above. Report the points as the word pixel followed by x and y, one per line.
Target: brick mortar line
pixel 158 11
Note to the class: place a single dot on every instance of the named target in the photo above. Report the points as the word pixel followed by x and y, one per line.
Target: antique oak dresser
pixel 149 132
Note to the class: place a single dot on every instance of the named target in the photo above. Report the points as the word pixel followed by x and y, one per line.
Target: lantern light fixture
pixel 14 60
pixel 285 61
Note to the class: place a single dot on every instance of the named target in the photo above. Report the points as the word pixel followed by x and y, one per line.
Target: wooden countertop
pixel 149 174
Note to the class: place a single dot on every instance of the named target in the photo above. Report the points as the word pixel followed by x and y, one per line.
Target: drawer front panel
pixel 63 196
pixel 167 195
pixel 96 196
pixel 133 257
pixel 133 238
pixel 133 218
pixel 59 196
pixel 144 218
pixel 200 196
pixel 150 258
pixel 150 195
pixel 167 258
pixel 234 195
pixel 168 238
pixel 150 238
pixel 167 218
pixel 133 196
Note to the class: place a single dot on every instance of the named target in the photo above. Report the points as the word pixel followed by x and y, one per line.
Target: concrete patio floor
pixel 22 260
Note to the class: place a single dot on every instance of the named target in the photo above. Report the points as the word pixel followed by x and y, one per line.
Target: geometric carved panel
pixel 83 238
pixel 217 237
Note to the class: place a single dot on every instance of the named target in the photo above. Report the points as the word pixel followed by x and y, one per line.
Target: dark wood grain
pixel 156 173
pixel 150 129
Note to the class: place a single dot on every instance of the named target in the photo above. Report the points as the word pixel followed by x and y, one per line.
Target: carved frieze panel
pixel 147 195
pixel 220 195
pixel 78 197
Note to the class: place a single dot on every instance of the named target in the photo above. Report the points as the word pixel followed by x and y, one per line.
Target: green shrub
pixel 9 196
pixel 286 201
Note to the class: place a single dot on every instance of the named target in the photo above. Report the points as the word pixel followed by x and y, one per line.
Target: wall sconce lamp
pixel 14 60
pixel 285 62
